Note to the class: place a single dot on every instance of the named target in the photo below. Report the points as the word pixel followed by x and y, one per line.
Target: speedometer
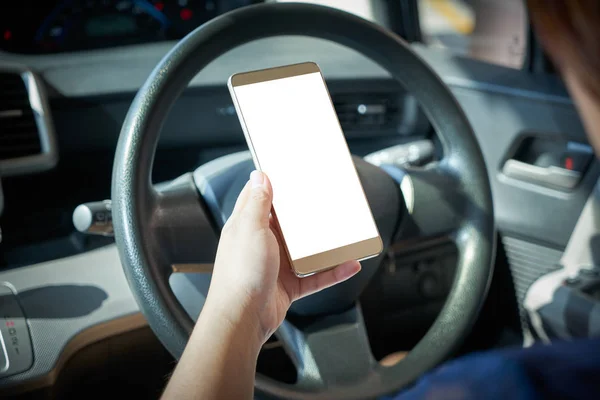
pixel 88 24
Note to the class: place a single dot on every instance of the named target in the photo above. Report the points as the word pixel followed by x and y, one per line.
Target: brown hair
pixel 570 33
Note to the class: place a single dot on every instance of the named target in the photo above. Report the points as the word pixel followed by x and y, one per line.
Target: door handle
pixel 551 176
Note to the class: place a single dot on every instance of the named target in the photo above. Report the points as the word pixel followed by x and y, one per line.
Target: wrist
pixel 233 322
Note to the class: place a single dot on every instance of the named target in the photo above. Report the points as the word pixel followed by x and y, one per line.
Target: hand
pixel 252 275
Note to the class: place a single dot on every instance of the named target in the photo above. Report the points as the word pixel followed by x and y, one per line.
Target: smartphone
pixel 295 138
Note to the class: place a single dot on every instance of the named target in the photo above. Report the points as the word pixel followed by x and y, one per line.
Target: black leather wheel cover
pixel 133 197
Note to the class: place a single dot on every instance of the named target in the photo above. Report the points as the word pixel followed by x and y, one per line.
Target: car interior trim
pixel 38 101
pixel 62 299
pixel 89 336
pixel 124 69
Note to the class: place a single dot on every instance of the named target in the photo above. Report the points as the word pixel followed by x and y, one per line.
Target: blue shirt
pixel 563 370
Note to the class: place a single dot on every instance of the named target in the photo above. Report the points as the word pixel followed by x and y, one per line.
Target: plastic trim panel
pixel 41 111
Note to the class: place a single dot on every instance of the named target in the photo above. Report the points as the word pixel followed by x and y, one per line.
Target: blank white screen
pixel 299 144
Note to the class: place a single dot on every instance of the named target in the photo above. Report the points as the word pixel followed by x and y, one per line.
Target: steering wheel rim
pixel 137 205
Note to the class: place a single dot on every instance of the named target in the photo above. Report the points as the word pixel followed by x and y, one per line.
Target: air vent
pixel 26 140
pixel 19 135
pixel 372 111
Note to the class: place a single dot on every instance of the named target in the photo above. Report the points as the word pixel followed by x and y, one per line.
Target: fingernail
pixel 256 179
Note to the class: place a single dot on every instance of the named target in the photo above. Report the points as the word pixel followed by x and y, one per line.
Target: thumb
pixel 258 204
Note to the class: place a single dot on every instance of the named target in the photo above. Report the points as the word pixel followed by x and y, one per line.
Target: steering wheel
pixel 157 227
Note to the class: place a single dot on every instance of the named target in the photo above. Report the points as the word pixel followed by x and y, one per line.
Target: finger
pixel 323 280
pixel 241 200
pixel 257 208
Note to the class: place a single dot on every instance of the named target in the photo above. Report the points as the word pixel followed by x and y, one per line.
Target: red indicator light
pixel 7 35
pixel 569 163
pixel 10 324
pixel 159 6
pixel 186 14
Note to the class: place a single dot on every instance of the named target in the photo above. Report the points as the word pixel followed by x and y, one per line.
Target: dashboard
pixel 33 27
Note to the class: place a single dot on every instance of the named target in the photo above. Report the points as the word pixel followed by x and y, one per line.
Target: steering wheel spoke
pixel 182 227
pixel 333 351
pixel 435 202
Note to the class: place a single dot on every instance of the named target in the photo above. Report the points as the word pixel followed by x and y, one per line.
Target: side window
pixel 494 31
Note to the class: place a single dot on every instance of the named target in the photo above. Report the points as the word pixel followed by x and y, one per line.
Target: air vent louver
pixel 372 111
pixel 19 135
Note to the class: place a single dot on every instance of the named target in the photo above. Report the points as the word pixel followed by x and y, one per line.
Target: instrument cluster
pixel 33 27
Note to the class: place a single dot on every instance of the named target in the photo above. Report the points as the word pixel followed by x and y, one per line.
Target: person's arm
pixel 220 358
pixel 252 288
